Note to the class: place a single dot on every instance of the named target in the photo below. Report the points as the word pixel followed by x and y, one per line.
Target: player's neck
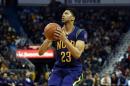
pixel 69 27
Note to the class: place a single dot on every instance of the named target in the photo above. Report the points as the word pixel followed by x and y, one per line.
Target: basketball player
pixel 67 68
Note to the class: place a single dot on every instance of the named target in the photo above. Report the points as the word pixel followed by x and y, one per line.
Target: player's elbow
pixel 40 52
pixel 77 56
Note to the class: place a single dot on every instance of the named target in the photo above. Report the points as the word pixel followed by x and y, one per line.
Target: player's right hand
pixel 59 34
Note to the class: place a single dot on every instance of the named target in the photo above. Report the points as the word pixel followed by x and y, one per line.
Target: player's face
pixel 67 16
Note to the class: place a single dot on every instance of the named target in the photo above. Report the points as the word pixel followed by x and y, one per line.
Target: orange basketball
pixel 50 29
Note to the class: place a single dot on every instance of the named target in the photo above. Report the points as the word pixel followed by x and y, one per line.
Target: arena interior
pixel 107 51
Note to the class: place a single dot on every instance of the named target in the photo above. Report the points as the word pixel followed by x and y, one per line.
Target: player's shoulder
pixel 79 29
pixel 80 33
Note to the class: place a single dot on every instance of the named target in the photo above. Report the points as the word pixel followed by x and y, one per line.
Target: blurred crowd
pixel 9 64
pixel 104 25
pixel 8 42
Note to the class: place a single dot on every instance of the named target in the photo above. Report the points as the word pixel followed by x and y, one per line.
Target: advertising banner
pixel 34 54
pixel 96 2
pixel 37 2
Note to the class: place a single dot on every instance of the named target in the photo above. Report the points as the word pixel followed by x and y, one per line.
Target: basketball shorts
pixel 64 77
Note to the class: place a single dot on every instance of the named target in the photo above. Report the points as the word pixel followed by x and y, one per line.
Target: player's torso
pixel 63 55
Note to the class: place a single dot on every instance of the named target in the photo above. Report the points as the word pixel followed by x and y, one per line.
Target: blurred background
pixel 106 60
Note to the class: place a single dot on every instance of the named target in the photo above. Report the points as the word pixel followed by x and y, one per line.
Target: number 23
pixel 66 57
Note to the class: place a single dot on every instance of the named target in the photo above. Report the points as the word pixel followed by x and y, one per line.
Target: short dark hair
pixel 72 10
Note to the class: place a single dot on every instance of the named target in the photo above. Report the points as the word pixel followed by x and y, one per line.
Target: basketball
pixel 50 29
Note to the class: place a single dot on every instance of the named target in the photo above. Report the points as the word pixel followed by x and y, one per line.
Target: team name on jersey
pixel 61 45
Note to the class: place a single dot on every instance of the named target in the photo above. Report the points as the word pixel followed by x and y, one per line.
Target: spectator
pixel 96 80
pixel 122 81
pixel 4 68
pixel 42 80
pixel 28 80
pixel 106 80
pixel 114 80
pixel 89 80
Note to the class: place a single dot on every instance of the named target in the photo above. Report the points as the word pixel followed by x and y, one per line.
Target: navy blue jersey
pixel 64 58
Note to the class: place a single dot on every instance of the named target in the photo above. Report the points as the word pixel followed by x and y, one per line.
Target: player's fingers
pixel 56 36
pixel 58 28
pixel 57 32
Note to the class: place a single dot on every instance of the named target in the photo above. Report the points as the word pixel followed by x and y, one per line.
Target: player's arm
pixel 44 46
pixel 76 50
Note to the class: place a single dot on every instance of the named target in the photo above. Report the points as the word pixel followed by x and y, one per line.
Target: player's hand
pixel 59 34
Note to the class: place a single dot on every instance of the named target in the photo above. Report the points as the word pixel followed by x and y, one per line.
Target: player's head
pixel 68 15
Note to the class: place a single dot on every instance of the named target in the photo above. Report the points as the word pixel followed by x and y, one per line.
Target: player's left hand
pixel 59 34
